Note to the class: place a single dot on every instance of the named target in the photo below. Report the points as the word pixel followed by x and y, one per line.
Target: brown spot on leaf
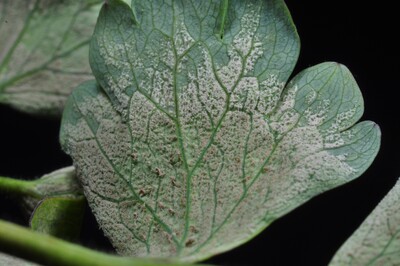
pixel 193 229
pixel 159 172
pixel 171 211
pixel 190 242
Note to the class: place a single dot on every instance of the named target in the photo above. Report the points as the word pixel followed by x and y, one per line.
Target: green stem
pixel 17 187
pixel 48 250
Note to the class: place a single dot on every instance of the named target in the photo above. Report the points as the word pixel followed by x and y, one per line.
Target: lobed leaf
pixel 377 240
pixel 43 51
pixel 194 142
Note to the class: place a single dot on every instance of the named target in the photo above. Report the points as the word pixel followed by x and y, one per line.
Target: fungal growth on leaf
pixel 6 259
pixel 43 51
pixel 377 240
pixel 191 141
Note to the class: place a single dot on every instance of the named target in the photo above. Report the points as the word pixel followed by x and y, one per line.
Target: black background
pixel 358 34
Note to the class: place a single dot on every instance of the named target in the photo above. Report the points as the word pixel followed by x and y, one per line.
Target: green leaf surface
pixel 194 142
pixel 62 182
pixel 59 216
pixel 59 183
pixel 44 51
pixel 377 240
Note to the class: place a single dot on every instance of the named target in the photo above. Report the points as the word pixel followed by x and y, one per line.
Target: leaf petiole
pixel 17 187
pixel 48 250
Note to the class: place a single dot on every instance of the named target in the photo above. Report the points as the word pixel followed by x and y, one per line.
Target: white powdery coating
pixel 246 42
pixel 285 117
pixel 203 97
pixel 311 96
pixel 243 41
pixel 6 259
pixel 244 52
pixel 377 240
pixel 270 93
pixel 212 136
pixel 317 115
pixel 183 41
pixel 333 138
pixel 246 95
pixel 254 55
pixel 121 72
pixel 160 86
pixel 231 73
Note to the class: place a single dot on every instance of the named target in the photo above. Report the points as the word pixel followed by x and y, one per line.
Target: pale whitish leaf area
pixel 377 240
pixel 9 260
pixel 44 51
pixel 194 141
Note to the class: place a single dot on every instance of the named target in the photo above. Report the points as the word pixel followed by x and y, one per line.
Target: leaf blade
pixel 6 259
pixel 59 216
pixel 43 57
pixel 204 140
pixel 376 241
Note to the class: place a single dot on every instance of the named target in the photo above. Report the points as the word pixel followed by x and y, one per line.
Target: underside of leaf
pixel 44 51
pixel 6 259
pixel 377 240
pixel 194 142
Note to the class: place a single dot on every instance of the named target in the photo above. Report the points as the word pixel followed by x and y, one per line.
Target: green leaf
pixel 59 216
pixel 54 202
pixel 377 240
pixel 194 143
pixel 62 182
pixel 59 183
pixel 43 51
pixel 6 259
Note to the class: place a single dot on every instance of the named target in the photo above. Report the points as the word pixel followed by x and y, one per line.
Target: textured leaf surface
pixel 59 183
pixel 196 144
pixel 43 51
pixel 59 216
pixel 9 260
pixel 377 240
